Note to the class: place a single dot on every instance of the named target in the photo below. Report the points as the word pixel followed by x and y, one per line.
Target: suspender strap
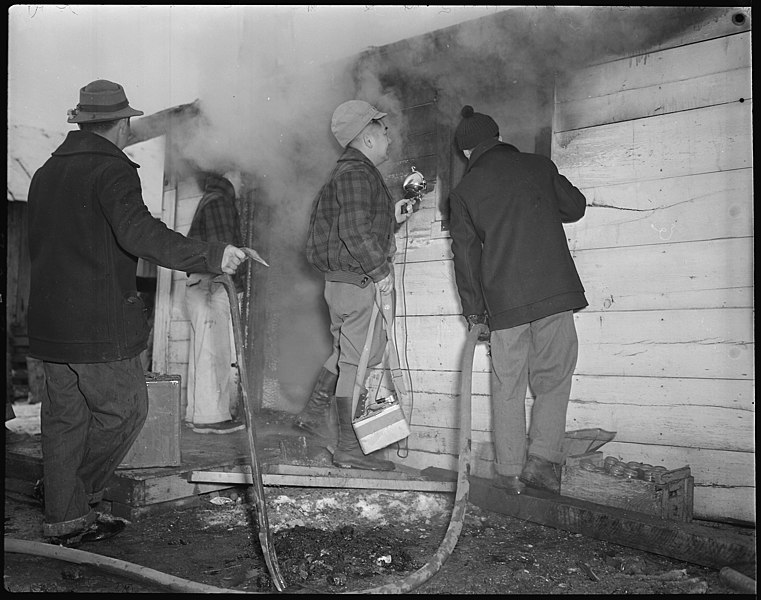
pixel 382 302
pixel 365 356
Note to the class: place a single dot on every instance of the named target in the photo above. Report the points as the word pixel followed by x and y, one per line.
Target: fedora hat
pixel 102 100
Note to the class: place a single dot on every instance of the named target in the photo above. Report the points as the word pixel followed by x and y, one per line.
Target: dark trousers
pixel 90 416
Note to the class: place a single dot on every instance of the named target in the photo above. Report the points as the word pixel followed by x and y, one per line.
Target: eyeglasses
pixel 382 124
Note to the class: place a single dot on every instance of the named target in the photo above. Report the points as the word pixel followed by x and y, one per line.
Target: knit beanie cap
pixel 474 129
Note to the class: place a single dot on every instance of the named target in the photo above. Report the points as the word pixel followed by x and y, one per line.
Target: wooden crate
pixel 158 444
pixel 668 496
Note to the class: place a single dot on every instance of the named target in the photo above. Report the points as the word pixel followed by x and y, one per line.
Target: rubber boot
pixel 348 453
pixel 318 417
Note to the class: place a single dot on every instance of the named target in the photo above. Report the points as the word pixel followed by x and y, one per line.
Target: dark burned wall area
pixel 504 65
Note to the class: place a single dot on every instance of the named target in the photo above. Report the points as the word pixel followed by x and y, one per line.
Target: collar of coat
pixel 354 154
pixel 86 142
pixel 484 147
pixel 220 185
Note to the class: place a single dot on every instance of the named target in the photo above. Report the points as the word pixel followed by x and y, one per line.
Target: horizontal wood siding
pixel 661 146
pixel 713 72
pixel 172 328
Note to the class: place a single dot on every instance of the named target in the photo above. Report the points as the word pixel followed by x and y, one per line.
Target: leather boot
pixel 348 453
pixel 318 417
pixel 541 474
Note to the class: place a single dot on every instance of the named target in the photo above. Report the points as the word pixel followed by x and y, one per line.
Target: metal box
pixel 381 425
pixel 158 444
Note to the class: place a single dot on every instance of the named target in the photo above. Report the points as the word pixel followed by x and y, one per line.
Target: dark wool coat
pixel 511 257
pixel 88 225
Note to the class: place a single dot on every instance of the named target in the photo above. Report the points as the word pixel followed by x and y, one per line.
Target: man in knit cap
pixel 514 273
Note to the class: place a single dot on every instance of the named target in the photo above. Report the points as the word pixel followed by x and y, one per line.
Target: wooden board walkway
pixel 331 477
pixel 690 542
pixel 213 463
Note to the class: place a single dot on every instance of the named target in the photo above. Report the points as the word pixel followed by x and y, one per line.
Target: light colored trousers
pixel 210 380
pixel 351 308
pixel 542 354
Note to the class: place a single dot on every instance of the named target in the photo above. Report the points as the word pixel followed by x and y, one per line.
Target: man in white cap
pixel 88 225
pixel 351 241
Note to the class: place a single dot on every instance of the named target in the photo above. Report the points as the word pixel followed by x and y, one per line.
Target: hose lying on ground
pixel 411 582
pixel 111 565
pixel 449 542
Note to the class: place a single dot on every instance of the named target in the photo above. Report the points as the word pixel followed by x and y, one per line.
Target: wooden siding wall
pixel 661 146
pixel 171 327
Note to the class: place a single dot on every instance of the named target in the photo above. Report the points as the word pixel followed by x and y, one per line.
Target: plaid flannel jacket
pixel 352 225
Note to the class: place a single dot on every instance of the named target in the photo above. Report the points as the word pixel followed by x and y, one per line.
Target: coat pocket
pixel 135 319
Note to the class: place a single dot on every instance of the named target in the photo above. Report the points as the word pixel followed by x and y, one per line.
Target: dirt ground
pixel 331 541
pixel 347 541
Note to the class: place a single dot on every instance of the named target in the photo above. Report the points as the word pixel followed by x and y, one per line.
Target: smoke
pixel 513 57
pixel 267 113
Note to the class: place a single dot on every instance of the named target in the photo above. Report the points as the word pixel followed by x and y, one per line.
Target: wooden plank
pixel 161 320
pixel 712 72
pixel 427 288
pixel 693 275
pixel 426 248
pixel 689 542
pixel 704 274
pixel 702 206
pixel 658 99
pixel 674 343
pixel 705 206
pixel 186 209
pixel 137 490
pixel 711 465
pixel 690 394
pixel 635 421
pixel 710 343
pixel 658 67
pixel 704 23
pixel 716 138
pixel 716 428
pixel 291 475
pixel 726 504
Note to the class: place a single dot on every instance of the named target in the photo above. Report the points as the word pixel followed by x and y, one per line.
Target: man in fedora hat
pixel 351 241
pixel 88 225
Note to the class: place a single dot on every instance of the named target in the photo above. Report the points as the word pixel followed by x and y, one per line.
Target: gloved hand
pixel 480 320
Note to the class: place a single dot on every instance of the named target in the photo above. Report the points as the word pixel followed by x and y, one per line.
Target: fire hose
pixel 409 583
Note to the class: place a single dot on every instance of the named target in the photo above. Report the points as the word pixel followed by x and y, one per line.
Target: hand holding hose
pixel 481 322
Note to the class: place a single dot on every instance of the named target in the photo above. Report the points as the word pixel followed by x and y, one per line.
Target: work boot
pixel 541 474
pixel 348 453
pixel 318 417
